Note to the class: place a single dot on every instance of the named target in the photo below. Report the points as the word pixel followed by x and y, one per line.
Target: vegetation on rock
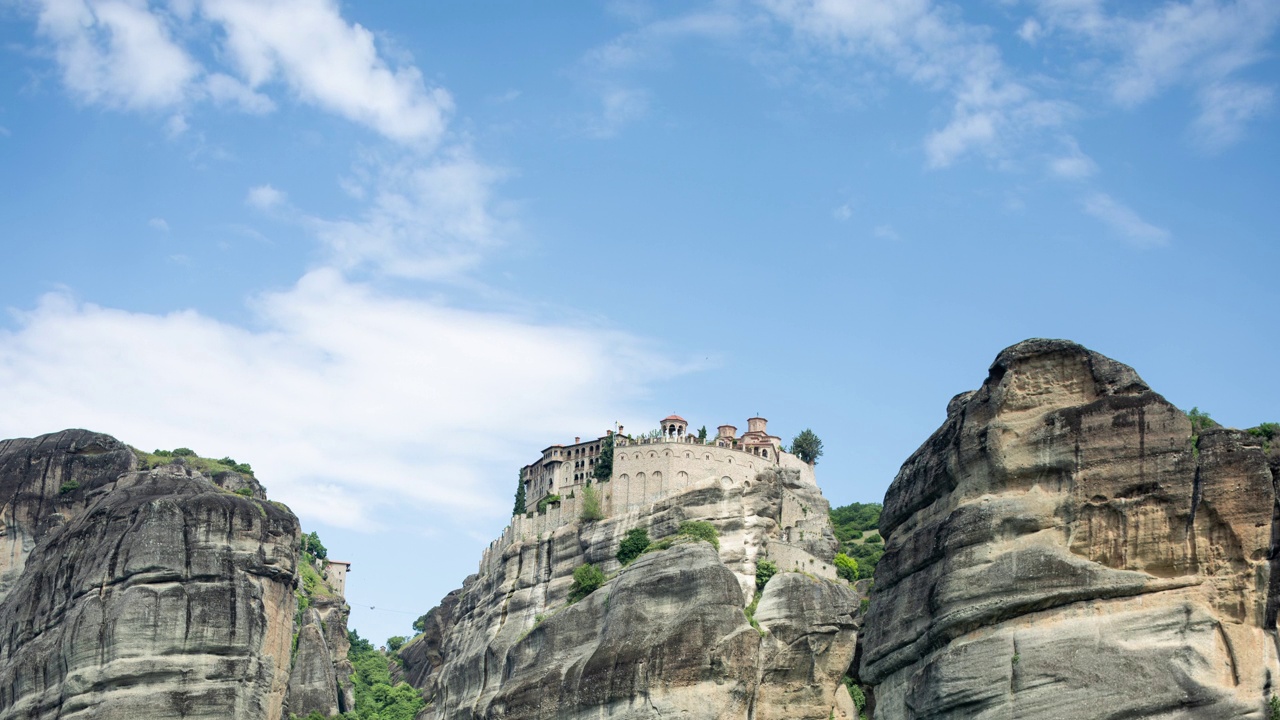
pixel 187 456
pixel 702 530
pixel 591 511
pixel 586 580
pixel 846 567
pixel 855 528
pixel 546 501
pixel 376 698
pixel 765 570
pixel 603 469
pixel 633 545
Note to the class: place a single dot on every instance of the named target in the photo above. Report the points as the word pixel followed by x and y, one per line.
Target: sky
pixel 387 252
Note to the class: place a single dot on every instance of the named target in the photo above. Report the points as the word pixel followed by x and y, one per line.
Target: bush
pixel 68 486
pixel 846 567
pixel 183 452
pixel 544 502
pixel 874 539
pixel 1273 706
pixel 396 642
pixel 765 570
pixel 702 530
pixel 1200 421
pixel 244 492
pixel 591 505
pixel 420 625
pixel 1266 431
pixel 632 545
pixel 586 580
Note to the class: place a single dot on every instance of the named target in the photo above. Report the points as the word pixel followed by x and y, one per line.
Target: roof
pixel 339 562
pixel 677 418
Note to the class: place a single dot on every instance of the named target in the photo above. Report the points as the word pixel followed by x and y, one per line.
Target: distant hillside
pixel 856 526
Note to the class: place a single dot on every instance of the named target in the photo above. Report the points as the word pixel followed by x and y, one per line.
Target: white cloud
pixel 117 53
pixel 176 125
pixel 842 213
pixel 427 221
pixel 126 54
pixel 158 224
pixel 1072 165
pixel 1124 221
pixel 1030 31
pixel 344 400
pixel 264 197
pixel 328 62
pixel 924 43
pixel 1225 109
pixel 618 107
pixel 885 232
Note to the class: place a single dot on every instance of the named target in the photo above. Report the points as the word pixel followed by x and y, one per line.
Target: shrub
pixel 1266 431
pixel 591 504
pixel 632 545
pixel 245 492
pixel 396 642
pixel 544 502
pixel 68 486
pixel 702 530
pixel 875 539
pixel 163 453
pixel 586 579
pixel 183 452
pixel 855 692
pixel 1200 421
pixel 846 567
pixel 1273 705
pixel 765 570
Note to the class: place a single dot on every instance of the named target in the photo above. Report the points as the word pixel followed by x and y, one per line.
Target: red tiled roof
pixel 677 418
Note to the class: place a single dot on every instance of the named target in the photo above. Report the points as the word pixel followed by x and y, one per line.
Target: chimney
pixel 576 439
pixel 619 429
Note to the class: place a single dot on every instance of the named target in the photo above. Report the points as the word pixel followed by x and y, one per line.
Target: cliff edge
pixel 1067 539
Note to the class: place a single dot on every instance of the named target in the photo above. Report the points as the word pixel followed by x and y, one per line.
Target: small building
pixel 335 573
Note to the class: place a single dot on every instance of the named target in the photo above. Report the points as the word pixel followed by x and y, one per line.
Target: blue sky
pixel 386 252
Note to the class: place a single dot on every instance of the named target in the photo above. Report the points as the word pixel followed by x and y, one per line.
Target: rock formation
pixel 132 593
pixel 1066 545
pixel 665 636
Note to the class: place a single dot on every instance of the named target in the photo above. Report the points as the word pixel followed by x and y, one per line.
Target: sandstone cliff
pixel 140 593
pixel 1065 545
pixel 665 636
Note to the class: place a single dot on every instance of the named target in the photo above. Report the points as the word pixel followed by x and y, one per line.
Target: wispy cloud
pixel 1124 221
pixel 159 224
pixel 885 232
pixel 1073 164
pixel 132 56
pixel 619 107
pixel 264 197
pixel 1226 109
pixel 348 402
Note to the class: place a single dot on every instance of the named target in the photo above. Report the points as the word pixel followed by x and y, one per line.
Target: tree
pixel 702 434
pixel 1200 421
pixel 604 463
pixel 765 570
pixel 807 446
pixel 586 579
pixel 420 625
pixel 591 504
pixel 632 545
pixel 311 544
pixel 395 642
pixel 846 567
pixel 519 509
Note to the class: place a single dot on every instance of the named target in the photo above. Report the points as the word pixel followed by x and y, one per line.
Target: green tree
pixel 846 567
pixel 603 469
pixel 586 579
pixel 591 504
pixel 1266 431
pixel 807 446
pixel 702 530
pixel 311 544
pixel 765 570
pixel 519 508
pixel 633 545
pixel 420 625
pixel 376 698
pixel 1200 421
pixel 702 434
pixel 395 642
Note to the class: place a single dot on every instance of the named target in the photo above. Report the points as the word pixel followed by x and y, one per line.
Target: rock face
pixel 129 593
pixel 668 636
pixel 1066 545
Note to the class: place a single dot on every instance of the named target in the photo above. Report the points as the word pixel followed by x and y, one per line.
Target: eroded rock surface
pixel 668 636
pixel 133 593
pixel 1064 545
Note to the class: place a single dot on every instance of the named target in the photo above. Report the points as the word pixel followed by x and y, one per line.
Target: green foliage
pixel 1273 707
pixel 765 570
pixel 855 517
pixel 846 567
pixel 633 545
pixel 376 698
pixel 544 502
pixel 855 692
pixel 184 452
pixel 750 612
pixel 187 456
pixel 68 486
pixel 420 625
pixel 244 492
pixel 807 446
pixel 659 545
pixel 603 469
pixel 867 555
pixel 586 580
pixel 519 508
pixel 395 642
pixel 311 544
pixel 702 434
pixel 591 505
pixel 702 530
pixel 1266 431
pixel 1200 421
pixel 875 539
